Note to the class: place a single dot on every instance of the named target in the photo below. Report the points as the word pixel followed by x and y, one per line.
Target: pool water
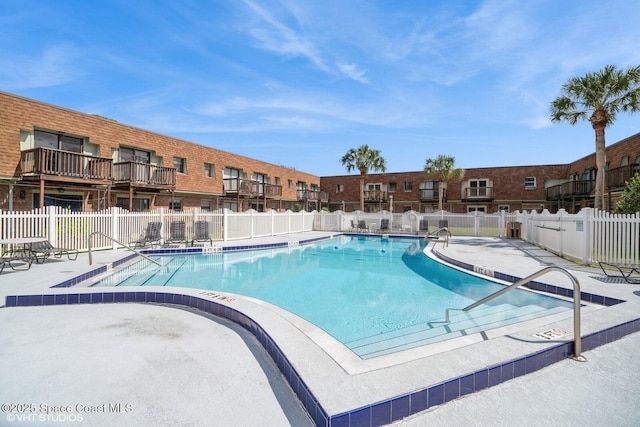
pixel 375 295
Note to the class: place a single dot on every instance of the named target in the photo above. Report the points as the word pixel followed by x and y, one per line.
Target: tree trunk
pixel 362 193
pixel 440 195
pixel 601 159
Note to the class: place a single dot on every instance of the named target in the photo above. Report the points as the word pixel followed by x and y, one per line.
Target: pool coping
pixel 323 387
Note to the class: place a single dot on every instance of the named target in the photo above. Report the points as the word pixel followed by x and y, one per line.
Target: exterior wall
pixel 17 113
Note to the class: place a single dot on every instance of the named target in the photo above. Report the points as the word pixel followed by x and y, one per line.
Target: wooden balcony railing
pixel 432 195
pixel 48 161
pixel 375 196
pixel 313 196
pixel 144 174
pixel 272 191
pixel 478 193
pixel 570 189
pixel 618 177
pixel 241 186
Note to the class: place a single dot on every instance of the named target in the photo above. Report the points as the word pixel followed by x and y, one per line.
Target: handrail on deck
pixel 576 303
pixel 120 243
pixel 437 234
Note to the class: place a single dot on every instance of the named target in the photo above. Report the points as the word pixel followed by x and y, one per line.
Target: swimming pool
pixel 375 295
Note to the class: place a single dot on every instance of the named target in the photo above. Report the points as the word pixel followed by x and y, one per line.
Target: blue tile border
pixel 376 414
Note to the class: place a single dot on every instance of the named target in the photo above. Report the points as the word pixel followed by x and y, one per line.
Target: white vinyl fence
pixel 587 237
pixel 67 229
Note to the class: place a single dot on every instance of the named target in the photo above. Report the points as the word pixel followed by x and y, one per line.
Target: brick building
pixel 55 156
pixel 567 186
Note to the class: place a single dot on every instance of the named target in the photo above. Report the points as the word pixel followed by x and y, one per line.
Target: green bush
pixel 629 202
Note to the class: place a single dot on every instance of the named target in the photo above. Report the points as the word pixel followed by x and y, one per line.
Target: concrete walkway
pixel 149 365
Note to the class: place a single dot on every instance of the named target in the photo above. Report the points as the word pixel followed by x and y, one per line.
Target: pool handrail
pixel 116 241
pixel 434 236
pixel 576 303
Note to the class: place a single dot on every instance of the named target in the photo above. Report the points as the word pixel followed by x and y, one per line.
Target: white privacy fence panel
pixel 616 238
pixel 64 228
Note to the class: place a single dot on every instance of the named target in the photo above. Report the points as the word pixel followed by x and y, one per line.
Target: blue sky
pixel 298 83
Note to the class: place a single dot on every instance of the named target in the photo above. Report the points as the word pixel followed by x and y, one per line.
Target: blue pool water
pixel 375 295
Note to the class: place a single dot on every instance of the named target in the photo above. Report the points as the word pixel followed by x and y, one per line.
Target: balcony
pixel 375 196
pixel 146 175
pixel 570 189
pixel 241 187
pixel 618 177
pixel 432 195
pixel 313 196
pixel 478 193
pixel 272 191
pixel 58 165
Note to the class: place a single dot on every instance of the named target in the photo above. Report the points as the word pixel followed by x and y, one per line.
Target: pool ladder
pixel 120 243
pixel 576 303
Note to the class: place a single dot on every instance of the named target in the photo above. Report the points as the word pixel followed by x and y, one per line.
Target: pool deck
pixel 149 364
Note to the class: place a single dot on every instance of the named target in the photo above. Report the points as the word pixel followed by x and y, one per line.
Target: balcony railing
pixel 375 196
pixel 432 195
pixel 48 161
pixel 570 189
pixel 272 191
pixel 478 193
pixel 247 187
pixel 144 174
pixel 313 196
pixel 618 177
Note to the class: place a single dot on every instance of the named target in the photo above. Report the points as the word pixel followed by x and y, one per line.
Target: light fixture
pixel 60 190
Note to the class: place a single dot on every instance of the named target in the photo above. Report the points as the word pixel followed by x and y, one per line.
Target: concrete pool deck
pixel 167 363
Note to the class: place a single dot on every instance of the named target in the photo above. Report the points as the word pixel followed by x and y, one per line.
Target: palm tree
pixel 363 159
pixel 443 167
pixel 600 96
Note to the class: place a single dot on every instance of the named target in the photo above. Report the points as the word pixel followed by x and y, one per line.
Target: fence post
pixel 587 243
pixel 52 225
pixel 225 225
pixel 273 220
pixel 115 226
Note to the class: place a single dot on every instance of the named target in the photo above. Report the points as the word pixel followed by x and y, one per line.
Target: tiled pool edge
pixel 376 414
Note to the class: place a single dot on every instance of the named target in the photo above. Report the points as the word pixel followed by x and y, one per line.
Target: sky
pixel 300 82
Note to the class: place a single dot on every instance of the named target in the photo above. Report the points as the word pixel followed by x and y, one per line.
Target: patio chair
pixel 40 251
pixel 10 260
pixel 151 236
pixel 201 233
pixel 177 234
pixel 384 225
pixel 362 226
pixel 423 226
pixel 625 270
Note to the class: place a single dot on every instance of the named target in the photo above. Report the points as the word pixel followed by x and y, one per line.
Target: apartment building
pixel 55 156
pixel 567 186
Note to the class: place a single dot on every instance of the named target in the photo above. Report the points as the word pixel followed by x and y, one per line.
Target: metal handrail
pixel 120 243
pixel 437 233
pixel 576 303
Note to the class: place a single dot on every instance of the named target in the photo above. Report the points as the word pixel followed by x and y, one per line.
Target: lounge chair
pixel 625 270
pixel 40 251
pixel 424 226
pixel 10 261
pixel 384 225
pixel 362 226
pixel 201 233
pixel 151 236
pixel 177 234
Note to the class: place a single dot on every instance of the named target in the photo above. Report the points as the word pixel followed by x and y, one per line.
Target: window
pixel 137 204
pixel 290 184
pixel 478 188
pixel 392 187
pixel 277 180
pixel 175 205
pixel 205 204
pixel 209 170
pixel 503 208
pixel 132 155
pixel 180 164
pixel 624 161
pixel 339 188
pixel 529 182
pixel 301 185
pixel 408 186
pixel 57 142
pixel 429 190
pixel 231 173
pixel 471 209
